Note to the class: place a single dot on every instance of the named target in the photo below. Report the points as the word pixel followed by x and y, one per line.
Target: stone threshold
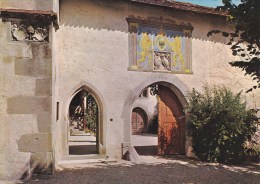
pixel 81 161
pixel 11 181
pixel 82 157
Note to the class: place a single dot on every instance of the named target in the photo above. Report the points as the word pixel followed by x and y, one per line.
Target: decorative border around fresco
pixel 148 50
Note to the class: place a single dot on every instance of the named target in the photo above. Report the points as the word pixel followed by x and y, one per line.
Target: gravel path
pixel 155 170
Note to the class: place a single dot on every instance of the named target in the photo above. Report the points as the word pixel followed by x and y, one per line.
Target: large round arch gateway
pixel 171 118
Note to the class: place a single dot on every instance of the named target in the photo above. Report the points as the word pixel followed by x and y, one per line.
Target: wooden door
pixel 171 129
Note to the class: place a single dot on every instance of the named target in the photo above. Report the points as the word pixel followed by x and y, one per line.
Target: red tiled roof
pixel 183 6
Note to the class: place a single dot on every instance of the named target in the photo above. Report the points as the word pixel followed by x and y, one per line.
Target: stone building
pixel 78 68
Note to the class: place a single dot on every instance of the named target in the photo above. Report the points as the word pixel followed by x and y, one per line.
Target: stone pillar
pixel 26 61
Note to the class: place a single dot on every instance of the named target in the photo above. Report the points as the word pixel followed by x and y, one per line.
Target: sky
pixel 210 3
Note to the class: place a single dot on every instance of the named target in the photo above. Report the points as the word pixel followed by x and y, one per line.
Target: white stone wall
pixel 25 104
pixel 94 52
pixel 28 4
pixel 148 104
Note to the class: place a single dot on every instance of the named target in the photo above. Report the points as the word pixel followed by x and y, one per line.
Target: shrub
pixel 220 124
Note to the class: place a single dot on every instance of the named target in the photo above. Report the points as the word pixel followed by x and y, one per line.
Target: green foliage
pixel 220 124
pixel 245 39
pixel 91 114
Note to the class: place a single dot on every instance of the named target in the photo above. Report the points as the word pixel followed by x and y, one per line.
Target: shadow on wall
pixel 37 167
pixel 41 155
pixel 111 16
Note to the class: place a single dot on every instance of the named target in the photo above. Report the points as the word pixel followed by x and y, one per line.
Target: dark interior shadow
pixel 146 150
pixel 146 134
pixel 82 150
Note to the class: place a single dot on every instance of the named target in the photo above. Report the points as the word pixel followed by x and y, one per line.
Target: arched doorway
pixel 139 121
pixel 83 133
pixel 170 121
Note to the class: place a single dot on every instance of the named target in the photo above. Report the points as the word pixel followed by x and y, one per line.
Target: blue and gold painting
pixel 154 44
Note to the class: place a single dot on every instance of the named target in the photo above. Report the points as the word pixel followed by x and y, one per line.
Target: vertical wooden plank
pixel 171 129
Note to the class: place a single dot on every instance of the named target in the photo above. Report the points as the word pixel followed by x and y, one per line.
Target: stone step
pixel 77 163
pixel 83 157
pixel 86 161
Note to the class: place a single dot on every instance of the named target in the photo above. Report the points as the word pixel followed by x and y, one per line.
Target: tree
pixel 245 39
pixel 220 124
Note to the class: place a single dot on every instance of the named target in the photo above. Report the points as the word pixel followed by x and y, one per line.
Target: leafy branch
pixel 245 39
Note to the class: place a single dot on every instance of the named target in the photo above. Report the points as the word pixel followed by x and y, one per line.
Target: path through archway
pixel 166 122
pixel 83 124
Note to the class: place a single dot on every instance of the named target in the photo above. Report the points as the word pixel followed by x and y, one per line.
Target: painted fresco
pixel 161 50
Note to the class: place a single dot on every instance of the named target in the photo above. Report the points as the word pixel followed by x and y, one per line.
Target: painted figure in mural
pixel 177 50
pixel 146 46
pixel 153 43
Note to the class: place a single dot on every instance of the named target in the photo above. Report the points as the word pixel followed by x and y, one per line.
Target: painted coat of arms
pixel 161 50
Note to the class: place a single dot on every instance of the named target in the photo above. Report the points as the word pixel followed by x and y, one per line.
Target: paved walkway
pixel 153 170
pixel 150 169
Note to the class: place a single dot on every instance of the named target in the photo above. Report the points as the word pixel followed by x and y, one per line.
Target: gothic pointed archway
pixel 83 135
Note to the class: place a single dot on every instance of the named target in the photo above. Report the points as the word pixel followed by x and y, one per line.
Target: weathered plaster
pixel 25 105
pixel 33 67
pixel 27 4
pixel 29 105
pixel 40 142
pixel 43 87
pixel 44 123
pixel 91 27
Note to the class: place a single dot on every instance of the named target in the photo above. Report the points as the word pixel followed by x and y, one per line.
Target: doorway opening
pixel 165 130
pixel 83 133
pixel 139 121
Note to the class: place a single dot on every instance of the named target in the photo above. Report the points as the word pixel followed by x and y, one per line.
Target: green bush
pixel 220 124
